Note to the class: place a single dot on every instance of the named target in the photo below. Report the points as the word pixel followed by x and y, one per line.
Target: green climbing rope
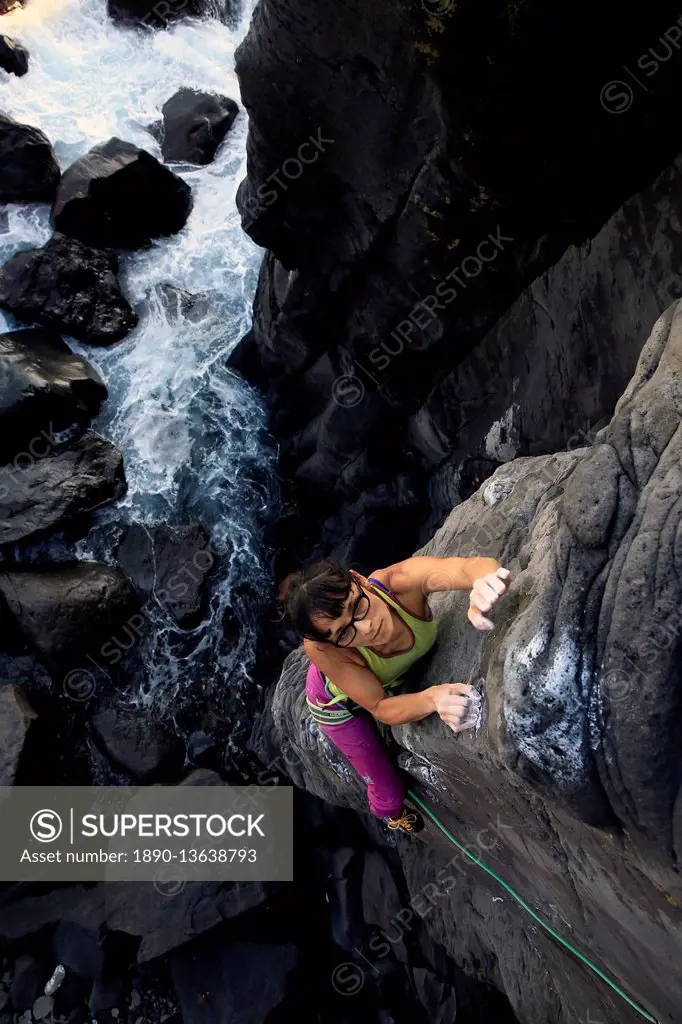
pixel 536 917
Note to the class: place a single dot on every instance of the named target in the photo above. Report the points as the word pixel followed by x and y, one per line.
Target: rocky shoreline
pixel 451 328
pixel 71 630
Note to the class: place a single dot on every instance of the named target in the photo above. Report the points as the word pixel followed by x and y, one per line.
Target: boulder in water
pixel 70 286
pixel 120 196
pixel 194 124
pixel 142 747
pixel 67 610
pixel 29 171
pixel 158 15
pixel 51 489
pixel 180 304
pixel 13 56
pixel 44 387
pixel 170 565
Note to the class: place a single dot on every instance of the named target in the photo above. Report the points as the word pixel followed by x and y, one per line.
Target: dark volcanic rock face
pixel 417 167
pixel 44 386
pixel 120 196
pixel 570 788
pixel 29 171
pixel 194 124
pixel 69 286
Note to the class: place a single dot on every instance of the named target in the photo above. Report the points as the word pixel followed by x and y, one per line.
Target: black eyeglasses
pixel 349 632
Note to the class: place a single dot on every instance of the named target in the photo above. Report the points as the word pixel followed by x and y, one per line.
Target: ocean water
pixel 192 434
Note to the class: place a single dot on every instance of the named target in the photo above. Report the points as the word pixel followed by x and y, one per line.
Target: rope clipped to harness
pixel 529 910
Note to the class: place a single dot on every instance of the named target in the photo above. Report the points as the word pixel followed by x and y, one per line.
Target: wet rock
pixel 144 748
pixel 194 125
pixel 120 196
pixel 170 564
pixel 69 286
pixel 29 171
pixel 240 982
pixel 44 387
pixel 570 784
pixel 70 480
pixel 55 980
pixel 78 949
pixel 16 716
pixel 153 15
pixel 13 56
pixel 179 303
pixel 66 610
pixel 26 984
pixel 43 1007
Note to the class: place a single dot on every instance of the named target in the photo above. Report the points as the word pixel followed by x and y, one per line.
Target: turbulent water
pixel 191 433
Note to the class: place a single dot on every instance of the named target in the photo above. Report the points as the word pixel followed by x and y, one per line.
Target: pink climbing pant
pixel 359 740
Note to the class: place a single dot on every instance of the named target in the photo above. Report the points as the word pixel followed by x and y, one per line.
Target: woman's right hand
pixel 454 703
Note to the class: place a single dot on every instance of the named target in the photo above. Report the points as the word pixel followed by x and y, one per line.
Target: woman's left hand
pixel 486 591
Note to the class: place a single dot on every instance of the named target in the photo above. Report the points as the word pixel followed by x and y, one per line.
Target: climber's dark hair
pixel 320 589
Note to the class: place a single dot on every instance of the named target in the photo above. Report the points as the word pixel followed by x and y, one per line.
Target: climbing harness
pixel 536 917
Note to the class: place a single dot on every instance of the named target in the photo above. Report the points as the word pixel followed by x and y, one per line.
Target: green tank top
pixel 390 670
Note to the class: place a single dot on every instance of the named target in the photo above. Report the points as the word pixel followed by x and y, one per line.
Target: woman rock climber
pixel 361 635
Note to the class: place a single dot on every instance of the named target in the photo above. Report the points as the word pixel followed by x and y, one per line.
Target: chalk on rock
pixel 497 490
